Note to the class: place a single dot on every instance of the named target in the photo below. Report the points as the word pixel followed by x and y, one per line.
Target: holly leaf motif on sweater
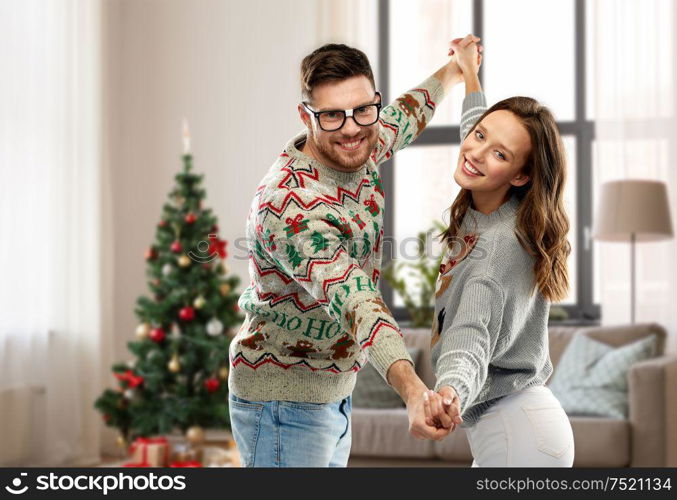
pixel 319 242
pixel 293 256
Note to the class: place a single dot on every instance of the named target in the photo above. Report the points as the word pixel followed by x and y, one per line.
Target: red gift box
pixel 189 463
pixel 151 451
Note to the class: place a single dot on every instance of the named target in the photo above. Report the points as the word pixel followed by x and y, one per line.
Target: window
pixel 421 186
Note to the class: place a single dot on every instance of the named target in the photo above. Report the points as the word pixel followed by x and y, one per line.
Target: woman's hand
pixel 468 53
pixel 442 410
pixel 452 404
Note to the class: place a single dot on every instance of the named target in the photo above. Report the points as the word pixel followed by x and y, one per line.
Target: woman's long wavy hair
pixel 542 223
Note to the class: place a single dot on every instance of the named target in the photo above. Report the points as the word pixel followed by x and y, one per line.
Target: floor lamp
pixel 633 210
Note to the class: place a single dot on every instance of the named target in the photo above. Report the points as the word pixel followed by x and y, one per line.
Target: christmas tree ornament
pixel 223 373
pixel 215 228
pixel 162 223
pixel 187 313
pixel 195 434
pixel 212 384
pixel 199 302
pixel 151 254
pixel 174 366
pixel 184 261
pixel 214 327
pixel 176 246
pixel 176 332
pixel 190 218
pixel 155 282
pixel 121 441
pixel 142 331
pixel 225 289
pixel 167 269
pixel 129 394
pixel 131 363
pixel 157 335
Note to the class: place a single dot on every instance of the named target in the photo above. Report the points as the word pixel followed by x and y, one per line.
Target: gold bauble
pixel 184 260
pixel 142 331
pixel 121 441
pixel 199 302
pixel 225 289
pixel 174 366
pixel 195 434
pixel 223 373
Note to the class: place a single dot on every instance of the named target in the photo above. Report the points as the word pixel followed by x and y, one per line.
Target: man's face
pixel 349 147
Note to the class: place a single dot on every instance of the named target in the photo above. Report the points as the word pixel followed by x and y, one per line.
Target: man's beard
pixel 329 154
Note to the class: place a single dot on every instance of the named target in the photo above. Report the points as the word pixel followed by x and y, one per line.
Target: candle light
pixel 186 138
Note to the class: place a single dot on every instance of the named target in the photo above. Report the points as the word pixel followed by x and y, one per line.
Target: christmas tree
pixel 179 376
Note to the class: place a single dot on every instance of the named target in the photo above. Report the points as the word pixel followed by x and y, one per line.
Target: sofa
pixel 647 438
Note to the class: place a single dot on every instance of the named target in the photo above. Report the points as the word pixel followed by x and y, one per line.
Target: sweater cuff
pixel 462 390
pixel 388 348
pixel 474 100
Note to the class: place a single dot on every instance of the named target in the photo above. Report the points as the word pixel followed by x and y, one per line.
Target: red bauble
pixel 190 218
pixel 162 223
pixel 212 384
pixel 187 313
pixel 106 417
pixel 151 254
pixel 157 335
pixel 215 229
pixel 176 247
pixel 236 308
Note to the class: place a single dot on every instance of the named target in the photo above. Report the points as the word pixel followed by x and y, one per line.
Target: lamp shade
pixel 633 206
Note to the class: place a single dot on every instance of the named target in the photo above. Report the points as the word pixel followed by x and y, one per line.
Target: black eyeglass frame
pixel 347 113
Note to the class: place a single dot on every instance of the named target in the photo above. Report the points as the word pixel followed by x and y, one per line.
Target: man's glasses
pixel 332 120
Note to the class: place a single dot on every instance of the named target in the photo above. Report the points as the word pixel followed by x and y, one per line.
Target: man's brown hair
pixel 331 63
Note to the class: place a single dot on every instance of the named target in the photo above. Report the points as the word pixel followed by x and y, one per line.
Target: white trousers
pixel 526 429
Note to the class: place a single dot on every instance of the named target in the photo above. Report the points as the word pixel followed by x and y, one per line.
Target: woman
pixel 506 261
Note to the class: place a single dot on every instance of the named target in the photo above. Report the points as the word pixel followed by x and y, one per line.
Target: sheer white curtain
pixel 633 65
pixel 50 229
pixel 353 22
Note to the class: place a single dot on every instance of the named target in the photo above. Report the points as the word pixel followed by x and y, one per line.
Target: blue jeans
pixel 291 434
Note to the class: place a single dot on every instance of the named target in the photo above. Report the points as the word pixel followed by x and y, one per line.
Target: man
pixel 313 313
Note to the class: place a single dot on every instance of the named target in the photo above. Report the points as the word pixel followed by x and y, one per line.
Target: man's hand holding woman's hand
pixel 442 409
pixel 467 53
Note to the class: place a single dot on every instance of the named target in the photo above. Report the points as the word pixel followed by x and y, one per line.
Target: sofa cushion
pixel 385 433
pixel 601 442
pixel 372 391
pixel 591 378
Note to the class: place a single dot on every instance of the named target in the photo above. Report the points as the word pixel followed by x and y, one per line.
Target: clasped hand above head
pixel 467 52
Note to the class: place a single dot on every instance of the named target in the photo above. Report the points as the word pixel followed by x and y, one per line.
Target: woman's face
pixel 493 154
